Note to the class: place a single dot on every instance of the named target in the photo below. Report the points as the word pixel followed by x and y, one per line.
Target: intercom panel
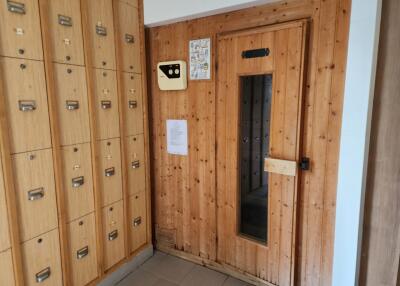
pixel 172 75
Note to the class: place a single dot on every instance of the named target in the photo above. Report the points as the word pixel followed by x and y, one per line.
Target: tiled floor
pixel 166 270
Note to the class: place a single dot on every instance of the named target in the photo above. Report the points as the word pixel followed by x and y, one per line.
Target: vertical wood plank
pixel 94 134
pixel 55 138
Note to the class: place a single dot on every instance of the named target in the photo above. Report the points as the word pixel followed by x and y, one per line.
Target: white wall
pixel 354 145
pixel 160 12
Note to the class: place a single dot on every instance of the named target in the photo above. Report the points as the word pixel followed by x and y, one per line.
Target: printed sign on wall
pixel 200 59
pixel 177 137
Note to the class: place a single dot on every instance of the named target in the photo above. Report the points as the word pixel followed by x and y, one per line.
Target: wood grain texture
pixel 66 41
pixel 273 260
pixel 71 86
pixel 137 221
pixel 185 187
pixel 100 13
pixel 381 240
pixel 82 233
pixel 114 249
pixel 34 172
pixel 105 91
pixel 110 158
pixel 20 34
pixel 29 130
pixel 55 124
pixel 4 229
pixel 6 265
pixel 76 164
pixel 40 253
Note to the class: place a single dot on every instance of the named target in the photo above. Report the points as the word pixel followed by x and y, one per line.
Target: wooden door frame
pixel 302 92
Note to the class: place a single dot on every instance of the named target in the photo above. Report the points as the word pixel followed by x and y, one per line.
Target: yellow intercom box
pixel 172 75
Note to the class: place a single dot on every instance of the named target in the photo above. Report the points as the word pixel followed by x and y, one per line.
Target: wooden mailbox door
pixel 260 83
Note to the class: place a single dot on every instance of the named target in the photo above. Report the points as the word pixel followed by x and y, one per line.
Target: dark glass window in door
pixel 255 115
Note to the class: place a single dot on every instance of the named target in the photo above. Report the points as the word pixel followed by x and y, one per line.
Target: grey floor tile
pixel 200 276
pixel 172 269
pixel 152 263
pixel 139 277
pixel 163 282
pixel 235 282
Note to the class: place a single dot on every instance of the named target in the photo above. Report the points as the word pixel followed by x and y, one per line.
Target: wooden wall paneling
pixel 323 106
pixel 122 117
pixel 380 257
pixel 56 139
pixel 94 134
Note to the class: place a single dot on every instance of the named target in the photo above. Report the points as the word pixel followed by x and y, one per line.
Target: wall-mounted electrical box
pixel 172 75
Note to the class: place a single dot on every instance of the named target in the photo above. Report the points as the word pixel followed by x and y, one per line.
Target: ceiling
pixel 161 12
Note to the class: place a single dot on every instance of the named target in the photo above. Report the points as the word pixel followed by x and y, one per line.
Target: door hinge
pixel 305 164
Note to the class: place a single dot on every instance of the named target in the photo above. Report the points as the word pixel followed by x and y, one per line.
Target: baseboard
pixel 226 269
pixel 127 268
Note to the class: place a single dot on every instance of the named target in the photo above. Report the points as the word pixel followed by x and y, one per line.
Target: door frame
pixel 303 94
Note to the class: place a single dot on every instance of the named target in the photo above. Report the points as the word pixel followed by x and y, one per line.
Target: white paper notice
pixel 177 137
pixel 200 59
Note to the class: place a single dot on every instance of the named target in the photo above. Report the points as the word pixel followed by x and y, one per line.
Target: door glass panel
pixel 255 114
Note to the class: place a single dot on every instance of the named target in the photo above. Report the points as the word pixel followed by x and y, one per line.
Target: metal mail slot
pixel 65 20
pixel 36 194
pixel 27 105
pixel 137 221
pixel 113 235
pixel 81 253
pixel 77 182
pixel 15 7
pixel 106 104
pixel 135 164
pixel 130 39
pixel 132 104
pixel 101 31
pixel 110 172
pixel 43 275
pixel 72 104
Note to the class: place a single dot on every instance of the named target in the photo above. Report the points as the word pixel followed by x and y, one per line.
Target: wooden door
pixel 20 29
pixel 136 168
pixel 111 173
pixel 72 101
pixel 66 31
pixel 42 261
pixel 113 233
pixel 258 135
pixel 35 192
pixel 105 90
pixel 100 14
pixel 129 35
pixel 137 221
pixel 26 104
pixel 83 254
pixel 133 103
pixel 78 180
